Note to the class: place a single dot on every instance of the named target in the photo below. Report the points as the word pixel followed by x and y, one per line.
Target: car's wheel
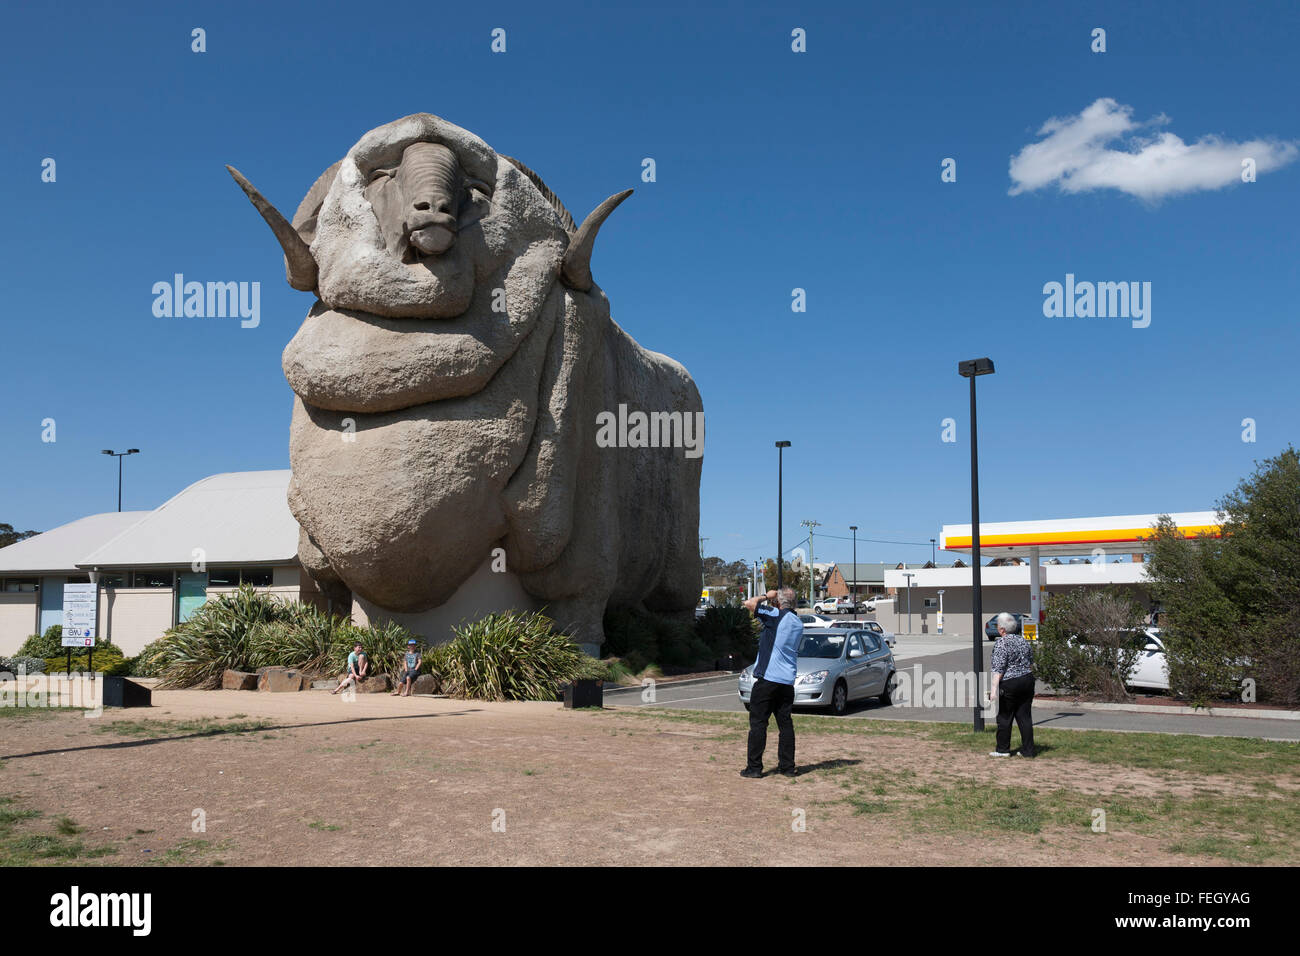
pixel 840 699
pixel 887 695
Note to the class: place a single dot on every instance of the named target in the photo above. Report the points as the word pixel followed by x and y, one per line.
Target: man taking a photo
pixel 774 673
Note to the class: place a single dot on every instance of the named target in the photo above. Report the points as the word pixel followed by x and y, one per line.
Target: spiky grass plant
pixel 508 656
pixel 218 636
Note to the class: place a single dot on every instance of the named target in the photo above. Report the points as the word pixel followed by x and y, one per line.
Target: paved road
pixel 944 656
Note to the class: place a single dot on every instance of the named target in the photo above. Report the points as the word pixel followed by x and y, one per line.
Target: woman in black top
pixel 1013 686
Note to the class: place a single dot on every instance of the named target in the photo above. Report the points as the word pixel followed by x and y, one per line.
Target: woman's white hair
pixel 1009 623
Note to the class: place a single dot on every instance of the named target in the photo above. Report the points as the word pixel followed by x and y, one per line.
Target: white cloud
pixel 1077 156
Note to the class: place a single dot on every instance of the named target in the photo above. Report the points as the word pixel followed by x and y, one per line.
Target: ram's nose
pixel 432 228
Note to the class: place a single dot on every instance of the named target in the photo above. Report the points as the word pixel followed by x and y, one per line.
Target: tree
pixel 799 581
pixel 9 536
pixel 734 576
pixel 1231 604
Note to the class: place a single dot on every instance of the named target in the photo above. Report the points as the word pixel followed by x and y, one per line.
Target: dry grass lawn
pixel 309 779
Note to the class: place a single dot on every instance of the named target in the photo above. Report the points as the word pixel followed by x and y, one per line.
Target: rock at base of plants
pixel 378 684
pixel 279 680
pixel 238 680
pixel 425 684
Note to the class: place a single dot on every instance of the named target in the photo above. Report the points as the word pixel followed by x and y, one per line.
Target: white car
pixel 1152 668
pixel 826 606
pixel 874 628
pixel 816 620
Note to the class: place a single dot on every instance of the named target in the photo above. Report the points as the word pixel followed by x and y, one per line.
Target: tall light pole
pixel 909 600
pixel 853 588
pixel 119 455
pixel 972 369
pixel 780 450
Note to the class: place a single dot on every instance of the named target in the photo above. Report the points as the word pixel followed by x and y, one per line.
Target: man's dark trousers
pixel 1015 698
pixel 766 699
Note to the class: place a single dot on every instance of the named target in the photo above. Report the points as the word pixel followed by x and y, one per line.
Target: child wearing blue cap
pixel 412 665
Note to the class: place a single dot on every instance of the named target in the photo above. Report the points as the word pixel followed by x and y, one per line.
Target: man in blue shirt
pixel 774 673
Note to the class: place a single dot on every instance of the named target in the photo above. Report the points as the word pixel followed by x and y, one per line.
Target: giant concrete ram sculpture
pixel 449 382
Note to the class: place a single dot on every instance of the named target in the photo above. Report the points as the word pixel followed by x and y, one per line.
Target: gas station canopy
pixel 1121 534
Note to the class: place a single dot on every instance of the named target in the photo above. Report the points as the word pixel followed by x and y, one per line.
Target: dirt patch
pixel 310 779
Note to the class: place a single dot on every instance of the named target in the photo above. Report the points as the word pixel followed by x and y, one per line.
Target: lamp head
pixel 973 367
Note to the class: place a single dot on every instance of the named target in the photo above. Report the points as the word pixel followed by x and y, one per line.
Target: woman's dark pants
pixel 1015 698
pixel 765 699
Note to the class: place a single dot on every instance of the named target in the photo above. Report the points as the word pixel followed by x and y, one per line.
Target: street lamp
pixel 854 589
pixel 972 369
pixel 119 455
pixel 909 600
pixel 780 451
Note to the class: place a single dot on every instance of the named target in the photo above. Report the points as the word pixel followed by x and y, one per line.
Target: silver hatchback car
pixel 836 667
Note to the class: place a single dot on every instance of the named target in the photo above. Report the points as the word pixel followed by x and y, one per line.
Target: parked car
pixel 816 620
pixel 826 606
pixel 1152 668
pixel 834 669
pixel 884 635
pixel 991 626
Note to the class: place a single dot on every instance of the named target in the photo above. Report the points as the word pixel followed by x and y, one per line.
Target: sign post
pixel 80 613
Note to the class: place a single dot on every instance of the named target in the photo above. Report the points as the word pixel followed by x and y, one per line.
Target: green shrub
pixel 107 659
pixel 729 629
pixel 147 663
pixel 1089 642
pixel 509 656
pixel 641 639
pixel 21 662
pixel 44 645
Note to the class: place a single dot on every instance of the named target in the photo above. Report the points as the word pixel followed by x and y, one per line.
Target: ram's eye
pixel 477 190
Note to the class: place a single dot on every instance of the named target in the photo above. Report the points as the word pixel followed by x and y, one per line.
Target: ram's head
pixel 423 220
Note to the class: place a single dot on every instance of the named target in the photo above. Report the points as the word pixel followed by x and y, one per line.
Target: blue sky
pixel 775 170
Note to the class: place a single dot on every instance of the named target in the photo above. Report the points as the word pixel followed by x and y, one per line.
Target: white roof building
pixel 240 517
pixel 59 549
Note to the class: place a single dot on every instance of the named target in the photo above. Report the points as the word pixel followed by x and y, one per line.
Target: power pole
pixel 812 574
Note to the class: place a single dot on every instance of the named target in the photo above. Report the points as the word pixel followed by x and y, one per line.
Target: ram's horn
pixel 575 269
pixel 299 265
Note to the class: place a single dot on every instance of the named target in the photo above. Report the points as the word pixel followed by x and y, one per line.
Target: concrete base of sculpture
pixel 486 592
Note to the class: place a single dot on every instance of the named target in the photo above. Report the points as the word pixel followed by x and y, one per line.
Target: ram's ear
pixel 575 268
pixel 304 220
pixel 299 265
